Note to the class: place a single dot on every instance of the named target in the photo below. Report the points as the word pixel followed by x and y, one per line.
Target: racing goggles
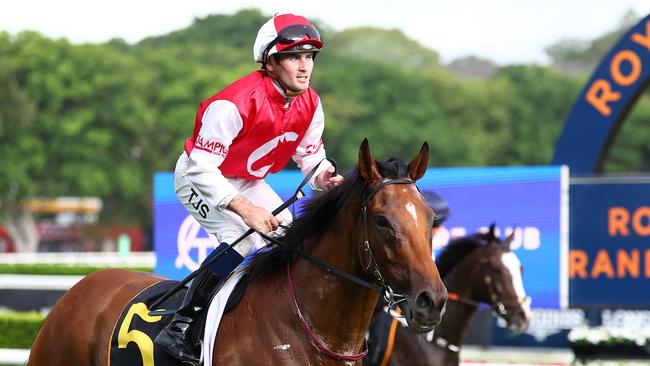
pixel 293 34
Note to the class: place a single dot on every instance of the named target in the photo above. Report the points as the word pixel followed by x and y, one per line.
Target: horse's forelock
pixel 393 168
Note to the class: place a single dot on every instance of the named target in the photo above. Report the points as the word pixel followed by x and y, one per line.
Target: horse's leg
pixel 78 329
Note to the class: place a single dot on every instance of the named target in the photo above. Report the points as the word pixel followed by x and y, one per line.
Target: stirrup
pixel 188 363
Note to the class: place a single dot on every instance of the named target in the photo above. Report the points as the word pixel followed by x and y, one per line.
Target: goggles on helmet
pixel 293 34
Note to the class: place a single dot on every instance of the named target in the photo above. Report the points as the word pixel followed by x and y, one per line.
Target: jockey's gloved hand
pixel 328 179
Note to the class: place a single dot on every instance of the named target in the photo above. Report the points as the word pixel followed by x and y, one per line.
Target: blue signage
pixel 609 260
pixel 604 102
pixel 180 243
pixel 530 200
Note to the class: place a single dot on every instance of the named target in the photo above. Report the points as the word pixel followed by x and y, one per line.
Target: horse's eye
pixel 381 222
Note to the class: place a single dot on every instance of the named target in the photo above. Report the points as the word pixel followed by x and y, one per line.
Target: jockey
pixel 379 330
pixel 241 134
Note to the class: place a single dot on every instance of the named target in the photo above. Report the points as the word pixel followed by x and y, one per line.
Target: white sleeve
pixel 311 150
pixel 220 125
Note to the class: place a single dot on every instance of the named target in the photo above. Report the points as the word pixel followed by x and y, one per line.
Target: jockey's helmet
pixel 438 205
pixel 286 33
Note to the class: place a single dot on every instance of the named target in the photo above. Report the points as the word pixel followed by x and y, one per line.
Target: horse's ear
pixel 510 238
pixel 367 166
pixel 491 234
pixel 418 166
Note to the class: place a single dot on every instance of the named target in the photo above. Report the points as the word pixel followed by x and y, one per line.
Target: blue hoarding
pixel 609 260
pixel 532 200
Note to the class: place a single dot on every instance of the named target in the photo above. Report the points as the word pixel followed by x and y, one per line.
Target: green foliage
pixel 57 269
pixel 19 329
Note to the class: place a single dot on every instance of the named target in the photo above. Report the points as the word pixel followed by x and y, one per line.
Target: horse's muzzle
pixel 425 311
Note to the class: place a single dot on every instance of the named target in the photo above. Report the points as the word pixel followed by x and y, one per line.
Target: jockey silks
pixel 248 130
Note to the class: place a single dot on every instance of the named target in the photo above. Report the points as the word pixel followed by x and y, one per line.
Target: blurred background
pixel 97 98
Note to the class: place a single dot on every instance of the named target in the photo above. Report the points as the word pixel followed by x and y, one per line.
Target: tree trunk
pixel 21 227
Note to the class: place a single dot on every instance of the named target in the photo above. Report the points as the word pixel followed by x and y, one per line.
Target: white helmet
pixel 286 33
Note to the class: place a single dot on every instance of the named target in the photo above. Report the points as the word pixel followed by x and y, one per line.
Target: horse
pixel 375 227
pixel 478 270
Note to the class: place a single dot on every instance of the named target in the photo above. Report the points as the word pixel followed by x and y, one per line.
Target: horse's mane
pixel 316 217
pixel 457 249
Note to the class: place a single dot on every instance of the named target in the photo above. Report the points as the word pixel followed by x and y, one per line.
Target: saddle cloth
pixel 132 341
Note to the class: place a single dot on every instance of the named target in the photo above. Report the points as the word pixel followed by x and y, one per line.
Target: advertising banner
pixel 609 260
pixel 529 200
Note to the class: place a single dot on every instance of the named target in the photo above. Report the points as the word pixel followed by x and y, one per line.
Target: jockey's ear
pixel 418 166
pixel 367 166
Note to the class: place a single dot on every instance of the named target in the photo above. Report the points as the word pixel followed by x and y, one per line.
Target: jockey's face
pixel 293 71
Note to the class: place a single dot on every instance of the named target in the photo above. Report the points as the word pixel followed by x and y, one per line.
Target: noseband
pixel 391 297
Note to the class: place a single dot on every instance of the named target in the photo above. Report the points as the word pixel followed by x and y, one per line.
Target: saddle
pixel 132 339
pixel 135 330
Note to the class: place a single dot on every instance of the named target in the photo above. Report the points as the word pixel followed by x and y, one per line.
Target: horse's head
pixel 397 236
pixel 502 283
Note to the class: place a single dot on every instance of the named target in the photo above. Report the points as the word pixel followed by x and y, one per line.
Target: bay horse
pixel 479 271
pixel 374 226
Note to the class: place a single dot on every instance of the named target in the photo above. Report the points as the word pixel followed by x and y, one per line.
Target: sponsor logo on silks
pixel 199 206
pixel 211 145
pixel 188 239
pixel 264 150
pixel 312 149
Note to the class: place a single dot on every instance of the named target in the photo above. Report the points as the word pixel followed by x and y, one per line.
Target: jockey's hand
pixel 257 218
pixel 325 180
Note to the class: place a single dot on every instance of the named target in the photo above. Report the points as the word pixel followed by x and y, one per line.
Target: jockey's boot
pixel 181 337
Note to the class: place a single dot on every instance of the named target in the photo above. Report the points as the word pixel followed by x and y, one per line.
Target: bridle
pixel 372 268
pixel 496 304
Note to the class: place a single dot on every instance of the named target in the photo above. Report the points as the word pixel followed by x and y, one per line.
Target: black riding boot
pixel 178 338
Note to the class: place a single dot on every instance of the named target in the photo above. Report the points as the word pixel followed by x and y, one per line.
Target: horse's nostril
pixel 424 301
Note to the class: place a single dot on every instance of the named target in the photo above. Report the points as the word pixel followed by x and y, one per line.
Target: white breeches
pixel 226 225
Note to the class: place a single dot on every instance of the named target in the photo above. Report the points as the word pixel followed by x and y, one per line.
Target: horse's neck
pixel 455 323
pixel 337 309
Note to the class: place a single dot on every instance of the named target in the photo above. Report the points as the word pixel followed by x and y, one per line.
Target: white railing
pixel 108 259
pixel 37 282
pixel 13 356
